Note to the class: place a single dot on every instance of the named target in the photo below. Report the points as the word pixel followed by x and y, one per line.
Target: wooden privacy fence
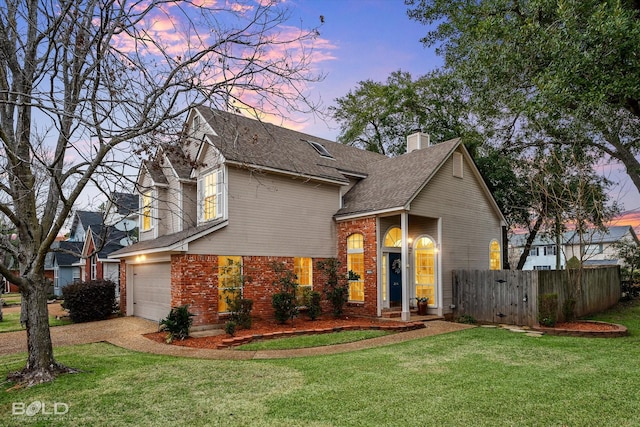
pixel 511 296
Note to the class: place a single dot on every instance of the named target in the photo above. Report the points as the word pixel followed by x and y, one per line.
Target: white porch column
pixel 439 286
pixel 404 227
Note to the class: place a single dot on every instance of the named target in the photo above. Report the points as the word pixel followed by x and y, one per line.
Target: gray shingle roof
pixel 166 241
pixel 594 236
pixel 394 182
pixel 155 171
pixel 178 160
pixel 126 203
pixel 255 143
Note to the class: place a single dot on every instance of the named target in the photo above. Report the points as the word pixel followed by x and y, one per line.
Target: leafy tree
pixel 85 83
pixel 557 69
pixel 629 251
pixel 378 116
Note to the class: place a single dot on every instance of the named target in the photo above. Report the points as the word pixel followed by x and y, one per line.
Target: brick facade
pixel 194 281
pixel 366 227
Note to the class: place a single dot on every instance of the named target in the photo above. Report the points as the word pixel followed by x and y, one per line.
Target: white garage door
pixel 152 290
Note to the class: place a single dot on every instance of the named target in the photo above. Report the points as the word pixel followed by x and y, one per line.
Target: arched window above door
pixel 393 238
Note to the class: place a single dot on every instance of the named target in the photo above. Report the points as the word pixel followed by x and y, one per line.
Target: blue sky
pixel 372 38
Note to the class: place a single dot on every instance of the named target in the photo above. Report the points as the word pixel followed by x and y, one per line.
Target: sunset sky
pixel 369 39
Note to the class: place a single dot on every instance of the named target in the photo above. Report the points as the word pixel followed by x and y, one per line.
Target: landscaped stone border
pixel 236 341
pixel 619 331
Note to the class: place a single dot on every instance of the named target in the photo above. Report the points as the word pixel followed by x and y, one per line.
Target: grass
pixel 318 340
pixel 11 322
pixel 11 298
pixel 476 377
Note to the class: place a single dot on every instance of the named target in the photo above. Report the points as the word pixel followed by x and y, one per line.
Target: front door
pixel 395 279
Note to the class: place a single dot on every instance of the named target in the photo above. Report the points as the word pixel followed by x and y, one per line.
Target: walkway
pixel 127 332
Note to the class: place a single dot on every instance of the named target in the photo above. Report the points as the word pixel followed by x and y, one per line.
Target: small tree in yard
pixel 86 84
pixel 336 288
pixel 284 301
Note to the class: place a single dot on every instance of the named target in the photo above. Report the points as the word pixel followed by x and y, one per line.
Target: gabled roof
pixel 177 160
pixel 591 236
pixel 84 220
pixel 155 172
pixel 253 143
pixel 126 203
pixel 382 189
pixel 107 239
pixel 66 253
pixel 609 235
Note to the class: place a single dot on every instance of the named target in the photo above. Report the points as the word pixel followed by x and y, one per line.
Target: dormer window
pixel 321 149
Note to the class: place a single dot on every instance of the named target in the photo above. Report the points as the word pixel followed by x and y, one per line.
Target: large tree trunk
pixel 41 366
pixel 527 247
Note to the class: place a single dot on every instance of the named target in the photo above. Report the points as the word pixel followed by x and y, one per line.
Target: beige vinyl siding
pixel 162 208
pixel 274 215
pixel 469 221
pixel 211 157
pixel 189 205
pixel 180 206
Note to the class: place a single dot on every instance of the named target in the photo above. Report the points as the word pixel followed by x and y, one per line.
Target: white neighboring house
pixel 597 248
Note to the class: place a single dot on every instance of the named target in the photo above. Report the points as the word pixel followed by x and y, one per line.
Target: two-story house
pixel 239 189
pixel 594 247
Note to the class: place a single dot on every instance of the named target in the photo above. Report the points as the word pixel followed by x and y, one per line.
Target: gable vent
pixel 458 165
pixel 417 141
pixel 321 149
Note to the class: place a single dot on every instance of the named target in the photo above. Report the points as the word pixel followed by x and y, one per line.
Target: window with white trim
pixel 355 264
pixel 211 195
pixel 147 213
pixel 230 282
pixel 94 267
pixel 303 269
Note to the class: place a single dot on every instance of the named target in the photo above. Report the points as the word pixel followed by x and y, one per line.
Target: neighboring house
pixel 74 260
pixel 593 248
pixel 65 259
pixel 242 190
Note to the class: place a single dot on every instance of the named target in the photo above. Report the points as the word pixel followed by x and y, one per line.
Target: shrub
pixel 336 288
pixel 177 323
pixel 88 301
pixel 547 309
pixel 312 301
pixel 284 302
pixel 230 327
pixel 468 319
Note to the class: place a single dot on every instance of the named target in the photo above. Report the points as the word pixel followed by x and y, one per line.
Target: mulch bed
pixel 261 327
pixel 586 328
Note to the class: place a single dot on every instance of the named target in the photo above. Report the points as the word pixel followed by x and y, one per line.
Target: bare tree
pixel 91 82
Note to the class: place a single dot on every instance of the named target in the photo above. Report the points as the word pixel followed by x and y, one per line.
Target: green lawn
pixel 12 298
pixel 306 341
pixel 476 377
pixel 11 322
